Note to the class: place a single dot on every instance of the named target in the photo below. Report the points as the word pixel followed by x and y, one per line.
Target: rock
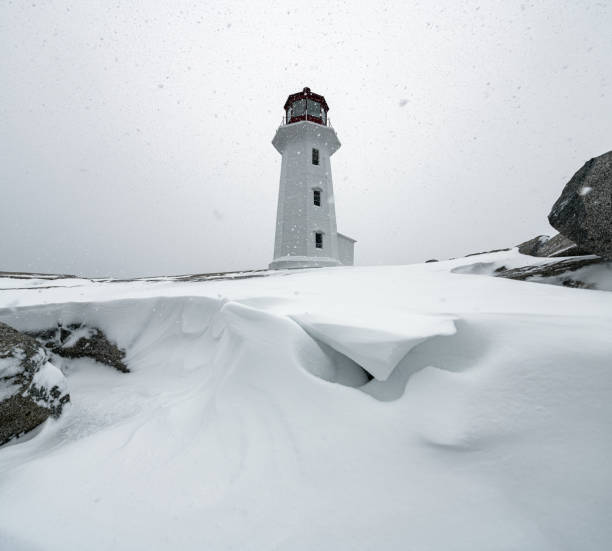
pixel 485 252
pixel 583 213
pixel 431 260
pixel 81 341
pixel 543 245
pixel 560 268
pixel 33 275
pixel 31 388
pixel 533 246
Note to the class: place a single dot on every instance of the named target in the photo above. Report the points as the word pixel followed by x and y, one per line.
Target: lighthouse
pixel 306 233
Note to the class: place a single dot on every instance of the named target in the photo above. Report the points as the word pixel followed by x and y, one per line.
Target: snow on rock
pixel 48 387
pixel 31 388
pixel 582 272
pixel 231 431
pixel 80 341
pixel 557 246
pixel 595 275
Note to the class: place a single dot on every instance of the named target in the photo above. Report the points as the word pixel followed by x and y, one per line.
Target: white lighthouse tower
pixel 306 234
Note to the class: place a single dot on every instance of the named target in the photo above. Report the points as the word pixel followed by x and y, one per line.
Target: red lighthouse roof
pixel 304 94
pixel 306 106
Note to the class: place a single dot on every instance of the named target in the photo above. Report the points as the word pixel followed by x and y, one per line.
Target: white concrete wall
pixel 298 219
pixel 346 250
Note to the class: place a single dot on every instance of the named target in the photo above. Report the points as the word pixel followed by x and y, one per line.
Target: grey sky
pixel 135 136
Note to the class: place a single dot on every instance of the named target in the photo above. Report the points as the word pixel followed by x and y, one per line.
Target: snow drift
pixel 346 408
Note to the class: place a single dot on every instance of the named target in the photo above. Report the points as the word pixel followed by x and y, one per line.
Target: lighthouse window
pixel 319 240
pixel 314 109
pixel 299 108
pixel 317 197
pixel 315 156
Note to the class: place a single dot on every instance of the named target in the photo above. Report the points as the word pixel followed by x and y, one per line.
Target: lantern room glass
pixel 306 109
pixel 299 108
pixel 314 109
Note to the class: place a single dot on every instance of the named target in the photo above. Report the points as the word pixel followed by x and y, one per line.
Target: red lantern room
pixel 306 106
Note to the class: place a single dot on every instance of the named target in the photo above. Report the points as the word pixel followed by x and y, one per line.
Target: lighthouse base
pixel 289 262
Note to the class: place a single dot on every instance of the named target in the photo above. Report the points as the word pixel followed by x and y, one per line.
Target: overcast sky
pixel 135 136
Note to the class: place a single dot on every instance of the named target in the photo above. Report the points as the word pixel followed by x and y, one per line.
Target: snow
pixel 595 276
pixel 48 377
pixel 8 389
pixel 376 345
pixel 77 335
pixel 9 367
pixel 247 421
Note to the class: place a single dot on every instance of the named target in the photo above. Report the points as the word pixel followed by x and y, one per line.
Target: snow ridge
pixel 480 401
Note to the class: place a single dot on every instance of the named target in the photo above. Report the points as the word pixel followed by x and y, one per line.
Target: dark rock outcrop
pixel 545 246
pixel 583 213
pixel 532 246
pixel 486 252
pixel 562 268
pixel 31 388
pixel 81 341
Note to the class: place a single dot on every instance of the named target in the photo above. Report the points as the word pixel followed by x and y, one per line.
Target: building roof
pixel 346 237
pixel 304 94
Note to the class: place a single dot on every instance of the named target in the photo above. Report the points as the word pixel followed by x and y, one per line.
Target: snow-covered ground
pixel 250 422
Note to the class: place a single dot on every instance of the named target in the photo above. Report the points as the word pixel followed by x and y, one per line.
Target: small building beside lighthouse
pixel 306 233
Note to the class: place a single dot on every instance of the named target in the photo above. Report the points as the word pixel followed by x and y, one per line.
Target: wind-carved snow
pixel 489 415
pixel 377 345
